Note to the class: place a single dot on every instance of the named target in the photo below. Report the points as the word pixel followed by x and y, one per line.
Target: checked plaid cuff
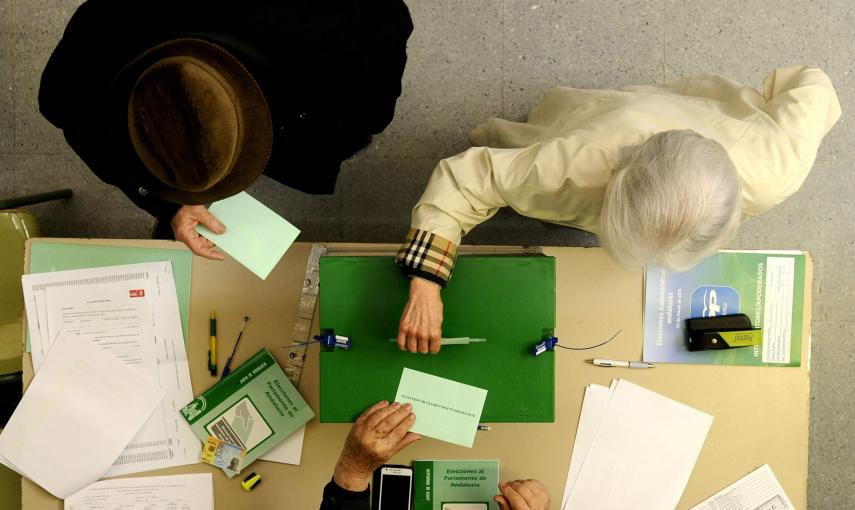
pixel 428 256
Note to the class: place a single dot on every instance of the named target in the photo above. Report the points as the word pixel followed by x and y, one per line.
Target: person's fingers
pixel 368 412
pixel 537 488
pixel 424 341
pixel 435 343
pixel 409 438
pixel 402 338
pixel 208 247
pixel 502 502
pixel 514 499
pixel 197 245
pixel 523 490
pixel 390 422
pixel 412 343
pixel 402 425
pixel 204 217
pixel 380 415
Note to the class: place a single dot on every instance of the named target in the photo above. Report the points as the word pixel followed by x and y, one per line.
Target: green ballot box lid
pixel 509 300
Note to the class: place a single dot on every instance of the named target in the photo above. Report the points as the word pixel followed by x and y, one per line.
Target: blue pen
pixel 228 367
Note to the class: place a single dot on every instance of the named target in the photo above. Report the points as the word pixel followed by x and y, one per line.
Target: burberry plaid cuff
pixel 428 256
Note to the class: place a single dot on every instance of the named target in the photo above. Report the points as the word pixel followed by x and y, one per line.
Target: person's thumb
pixel 502 502
pixel 205 218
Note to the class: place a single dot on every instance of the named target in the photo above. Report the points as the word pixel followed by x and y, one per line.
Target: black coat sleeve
pixel 75 84
pixel 385 26
pixel 336 498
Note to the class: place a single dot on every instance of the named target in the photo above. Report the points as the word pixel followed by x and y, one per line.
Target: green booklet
pixel 254 407
pixel 455 484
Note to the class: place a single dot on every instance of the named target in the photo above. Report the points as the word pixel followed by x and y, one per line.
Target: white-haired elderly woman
pixel 662 174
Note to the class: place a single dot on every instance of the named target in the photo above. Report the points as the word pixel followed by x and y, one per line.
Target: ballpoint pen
pixel 212 345
pixel 622 364
pixel 228 366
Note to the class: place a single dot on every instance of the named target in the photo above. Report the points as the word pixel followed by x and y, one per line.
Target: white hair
pixel 673 201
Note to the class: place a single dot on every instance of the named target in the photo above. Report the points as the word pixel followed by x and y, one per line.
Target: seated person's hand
pixel 421 323
pixel 378 434
pixel 184 226
pixel 523 495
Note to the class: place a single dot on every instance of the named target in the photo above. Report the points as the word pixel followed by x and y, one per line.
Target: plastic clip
pixel 547 344
pixel 333 341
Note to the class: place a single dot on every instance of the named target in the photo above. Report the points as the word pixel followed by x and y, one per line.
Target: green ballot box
pixel 509 300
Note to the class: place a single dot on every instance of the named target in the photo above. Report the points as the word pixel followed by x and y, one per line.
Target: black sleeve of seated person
pixel 336 498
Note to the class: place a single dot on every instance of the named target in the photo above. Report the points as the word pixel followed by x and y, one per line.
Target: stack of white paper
pixel 756 490
pixel 634 449
pixel 80 411
pixel 177 492
pixel 289 450
pixel 131 311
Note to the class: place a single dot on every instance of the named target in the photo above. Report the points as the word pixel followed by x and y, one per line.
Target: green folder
pixel 510 301
pixel 47 256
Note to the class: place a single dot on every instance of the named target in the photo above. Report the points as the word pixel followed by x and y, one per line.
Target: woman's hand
pixel 522 495
pixel 420 329
pixel 378 434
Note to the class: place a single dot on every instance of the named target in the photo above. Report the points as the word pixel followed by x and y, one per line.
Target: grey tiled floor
pixel 470 59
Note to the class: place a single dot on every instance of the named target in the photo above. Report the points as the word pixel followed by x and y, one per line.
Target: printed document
pixel 446 410
pixel 177 492
pixel 637 449
pixel 132 312
pixel 758 490
pixel 81 410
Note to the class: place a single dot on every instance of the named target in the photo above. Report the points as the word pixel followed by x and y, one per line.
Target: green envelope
pixel 255 236
pixel 509 300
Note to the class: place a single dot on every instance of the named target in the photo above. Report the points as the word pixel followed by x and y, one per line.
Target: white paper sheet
pixel 288 451
pixel 178 492
pixel 595 400
pixel 81 410
pixel 758 490
pixel 643 453
pixel 131 311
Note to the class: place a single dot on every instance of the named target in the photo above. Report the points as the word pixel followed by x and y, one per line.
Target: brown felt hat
pixel 197 121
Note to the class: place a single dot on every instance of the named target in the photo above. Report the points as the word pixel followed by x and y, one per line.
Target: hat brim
pixel 255 128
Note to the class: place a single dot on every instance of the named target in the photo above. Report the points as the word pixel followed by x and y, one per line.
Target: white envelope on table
pixel 79 413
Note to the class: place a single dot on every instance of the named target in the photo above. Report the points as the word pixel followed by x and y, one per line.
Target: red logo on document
pixel 138 293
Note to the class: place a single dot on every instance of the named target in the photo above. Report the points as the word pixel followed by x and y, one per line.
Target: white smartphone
pixel 396 486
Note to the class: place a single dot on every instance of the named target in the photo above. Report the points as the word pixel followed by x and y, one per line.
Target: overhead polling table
pixel 761 413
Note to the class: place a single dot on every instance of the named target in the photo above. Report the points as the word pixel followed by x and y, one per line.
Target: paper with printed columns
pixel 446 410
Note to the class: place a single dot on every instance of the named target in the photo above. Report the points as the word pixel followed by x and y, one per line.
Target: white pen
pixel 622 364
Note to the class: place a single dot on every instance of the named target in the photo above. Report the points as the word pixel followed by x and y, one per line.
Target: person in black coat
pixel 379 433
pixel 182 103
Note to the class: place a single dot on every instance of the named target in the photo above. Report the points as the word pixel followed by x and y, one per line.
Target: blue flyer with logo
pixel 768 286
